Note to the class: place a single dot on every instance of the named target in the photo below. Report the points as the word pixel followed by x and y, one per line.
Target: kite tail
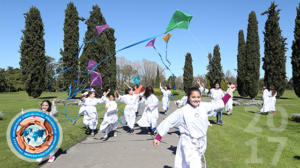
pixel 173 76
pixel 167 55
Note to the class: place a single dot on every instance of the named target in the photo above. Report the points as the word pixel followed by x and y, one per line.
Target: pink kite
pixel 101 28
pixel 151 43
pixel 96 79
pixel 91 64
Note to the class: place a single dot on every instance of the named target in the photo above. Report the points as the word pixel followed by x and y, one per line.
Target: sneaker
pixel 218 122
pixel 221 122
pixel 105 136
pixel 115 134
pixel 92 134
pixel 51 159
pixel 131 131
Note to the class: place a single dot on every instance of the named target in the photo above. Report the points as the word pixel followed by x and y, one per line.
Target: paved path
pixel 124 151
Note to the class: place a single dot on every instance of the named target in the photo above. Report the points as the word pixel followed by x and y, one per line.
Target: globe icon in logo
pixel 34 135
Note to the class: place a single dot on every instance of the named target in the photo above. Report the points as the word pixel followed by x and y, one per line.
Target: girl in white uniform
pixel 228 107
pixel 267 95
pixel 150 114
pixel 131 100
pixel 192 121
pixel 90 118
pixel 166 97
pixel 110 120
pixel 216 94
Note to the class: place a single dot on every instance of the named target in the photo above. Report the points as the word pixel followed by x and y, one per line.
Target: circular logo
pixel 34 135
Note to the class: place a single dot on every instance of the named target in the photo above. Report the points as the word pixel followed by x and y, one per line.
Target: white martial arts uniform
pixel 82 106
pixel 110 120
pixel 192 123
pixel 229 106
pixel 150 114
pixel 90 117
pixel 273 102
pixel 165 99
pixel 216 95
pixel 267 100
pixel 182 101
pixel 130 108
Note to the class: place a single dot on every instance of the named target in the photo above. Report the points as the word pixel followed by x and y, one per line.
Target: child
pixel 228 107
pixel 150 114
pixel 91 115
pixel 110 121
pixel 216 94
pixel 83 111
pixel 192 121
pixel 50 109
pixel 131 100
pixel 166 97
pixel 266 101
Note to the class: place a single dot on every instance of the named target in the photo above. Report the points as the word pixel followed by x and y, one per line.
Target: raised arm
pixel 219 104
pixel 161 89
pixel 53 108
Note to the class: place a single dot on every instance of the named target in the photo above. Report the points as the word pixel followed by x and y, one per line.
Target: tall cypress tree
pixel 157 79
pixel 296 54
pixel 274 59
pixel 71 46
pixel 188 72
pixel 252 56
pixel 32 49
pixel 102 47
pixel 241 69
pixel 217 72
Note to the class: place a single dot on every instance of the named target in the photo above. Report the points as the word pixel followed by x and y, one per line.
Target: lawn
pixel 12 103
pixel 252 140
pixel 247 140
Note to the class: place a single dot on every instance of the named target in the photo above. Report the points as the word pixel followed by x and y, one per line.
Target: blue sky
pixel 214 22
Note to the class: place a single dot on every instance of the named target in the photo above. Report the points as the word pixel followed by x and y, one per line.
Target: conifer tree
pixel 33 60
pixel 274 59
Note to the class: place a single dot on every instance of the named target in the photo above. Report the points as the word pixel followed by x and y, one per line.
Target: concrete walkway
pixel 124 151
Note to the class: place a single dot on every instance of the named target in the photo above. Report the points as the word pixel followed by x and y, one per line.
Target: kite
pixel 179 20
pixel 91 64
pixel 136 80
pixel 151 43
pixel 101 28
pixel 166 38
pixel 96 79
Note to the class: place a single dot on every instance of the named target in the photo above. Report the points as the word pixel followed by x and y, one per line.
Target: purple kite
pixel 91 64
pixel 101 28
pixel 96 79
pixel 151 43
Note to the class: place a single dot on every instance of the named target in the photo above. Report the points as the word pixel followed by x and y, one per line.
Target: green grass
pixel 12 103
pixel 230 145
pixel 227 144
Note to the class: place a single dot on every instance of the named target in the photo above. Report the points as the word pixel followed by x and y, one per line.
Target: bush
pixel 158 92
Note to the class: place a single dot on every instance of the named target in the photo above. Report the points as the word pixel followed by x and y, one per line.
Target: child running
pixel 150 114
pixel 166 97
pixel 192 121
pixel 110 121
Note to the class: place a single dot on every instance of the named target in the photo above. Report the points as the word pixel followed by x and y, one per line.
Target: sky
pixel 214 22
